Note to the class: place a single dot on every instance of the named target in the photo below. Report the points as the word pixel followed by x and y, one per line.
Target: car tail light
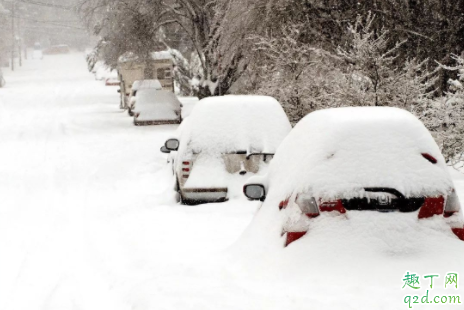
pixel 293 236
pixel 459 232
pixel 186 169
pixel 329 206
pixel 430 158
pixel 283 204
pixel 432 206
pixel 452 204
pixel 308 205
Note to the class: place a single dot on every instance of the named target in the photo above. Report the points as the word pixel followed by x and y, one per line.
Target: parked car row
pixel 335 161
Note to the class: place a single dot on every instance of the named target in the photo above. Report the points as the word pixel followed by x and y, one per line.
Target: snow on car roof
pixel 141 84
pixel 335 153
pixel 231 123
pixel 150 98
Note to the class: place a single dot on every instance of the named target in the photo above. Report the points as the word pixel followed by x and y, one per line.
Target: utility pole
pixel 20 42
pixel 13 11
pixel 219 75
pixel 25 45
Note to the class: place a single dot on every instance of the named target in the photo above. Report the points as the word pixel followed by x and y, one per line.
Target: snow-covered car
pixel 141 84
pixel 112 81
pixel 156 107
pixel 37 54
pixel 347 161
pixel 222 142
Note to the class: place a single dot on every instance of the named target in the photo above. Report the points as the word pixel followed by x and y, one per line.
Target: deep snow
pixel 88 220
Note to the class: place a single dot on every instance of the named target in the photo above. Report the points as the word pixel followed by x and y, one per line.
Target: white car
pixel 156 107
pixel 37 54
pixel 337 162
pixel 224 140
pixel 141 84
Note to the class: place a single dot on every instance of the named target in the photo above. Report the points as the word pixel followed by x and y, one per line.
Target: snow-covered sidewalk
pixel 88 220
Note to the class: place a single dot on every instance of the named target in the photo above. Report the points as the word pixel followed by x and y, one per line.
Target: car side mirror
pixel 163 149
pixel 119 91
pixel 254 191
pixel 172 145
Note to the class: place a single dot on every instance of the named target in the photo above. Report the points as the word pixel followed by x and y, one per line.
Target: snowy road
pixel 79 188
pixel 88 219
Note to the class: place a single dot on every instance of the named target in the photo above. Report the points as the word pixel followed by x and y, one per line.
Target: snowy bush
pixel 365 72
pixel 302 77
pixel 445 118
pixel 182 73
pixel 377 77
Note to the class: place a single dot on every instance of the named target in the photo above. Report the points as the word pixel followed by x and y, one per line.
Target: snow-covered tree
pixel 445 118
pixel 377 77
pixel 367 72
pixel 298 74
pixel 182 73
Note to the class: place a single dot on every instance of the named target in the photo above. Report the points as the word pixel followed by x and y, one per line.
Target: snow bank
pixel 235 123
pixel 335 153
pixel 362 257
pixel 154 105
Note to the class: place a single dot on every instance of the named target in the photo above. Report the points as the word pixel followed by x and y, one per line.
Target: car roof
pixel 141 84
pixel 150 98
pixel 236 123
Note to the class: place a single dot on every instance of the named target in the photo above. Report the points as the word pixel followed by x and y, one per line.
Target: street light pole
pixel 20 42
pixel 13 35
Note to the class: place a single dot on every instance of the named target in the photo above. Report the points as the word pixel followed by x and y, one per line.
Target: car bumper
pixel 157 122
pixel 204 194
